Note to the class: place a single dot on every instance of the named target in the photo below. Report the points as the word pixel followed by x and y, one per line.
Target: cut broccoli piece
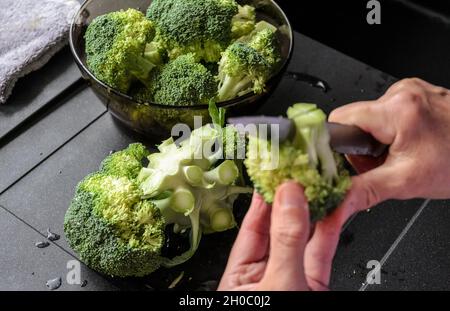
pixel 242 69
pixel 202 27
pixel 248 63
pixel 307 159
pixel 115 44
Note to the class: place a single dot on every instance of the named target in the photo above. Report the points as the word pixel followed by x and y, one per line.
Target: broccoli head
pixel 307 159
pixel 108 224
pixel 115 46
pixel 182 82
pixel 242 69
pixel 125 163
pixel 266 43
pixel 202 27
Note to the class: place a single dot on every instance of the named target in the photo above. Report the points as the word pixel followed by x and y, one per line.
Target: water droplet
pixel 311 80
pixel 54 283
pixel 52 236
pixel 42 244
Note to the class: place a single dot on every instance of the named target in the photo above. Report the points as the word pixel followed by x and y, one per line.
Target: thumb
pixel 289 232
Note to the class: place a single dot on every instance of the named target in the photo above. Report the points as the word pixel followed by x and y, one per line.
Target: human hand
pixel 413 117
pixel 272 251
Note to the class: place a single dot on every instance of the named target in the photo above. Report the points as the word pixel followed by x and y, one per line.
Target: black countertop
pixel 54 131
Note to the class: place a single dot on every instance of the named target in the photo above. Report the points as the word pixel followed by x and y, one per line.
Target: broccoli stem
pixel 196 234
pixel 233 190
pixel 152 53
pixel 183 201
pixel 224 174
pixel 314 139
pixel 221 218
pixel 140 68
pixel 193 174
pixel 232 86
pixel 326 157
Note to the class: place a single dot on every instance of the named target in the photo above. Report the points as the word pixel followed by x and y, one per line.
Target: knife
pixel 345 139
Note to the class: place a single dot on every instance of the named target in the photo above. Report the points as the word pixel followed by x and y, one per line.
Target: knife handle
pixel 350 139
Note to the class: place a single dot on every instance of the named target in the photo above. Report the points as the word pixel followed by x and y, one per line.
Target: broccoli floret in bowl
pixel 129 93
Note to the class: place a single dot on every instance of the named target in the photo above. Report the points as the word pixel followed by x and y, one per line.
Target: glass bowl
pixel 155 121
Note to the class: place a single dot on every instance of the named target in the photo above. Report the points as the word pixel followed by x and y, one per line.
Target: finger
pixel 374 187
pixel 369 116
pixel 321 248
pixel 289 233
pixel 252 242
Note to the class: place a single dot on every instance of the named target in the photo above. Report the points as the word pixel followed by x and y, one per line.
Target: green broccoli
pixel 117 219
pixel 202 27
pixel 307 159
pixel 266 42
pixel 180 82
pixel 242 69
pixel 115 46
pixel 108 224
pixel 247 64
pixel 243 23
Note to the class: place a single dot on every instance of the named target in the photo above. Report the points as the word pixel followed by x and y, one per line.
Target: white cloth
pixel 31 32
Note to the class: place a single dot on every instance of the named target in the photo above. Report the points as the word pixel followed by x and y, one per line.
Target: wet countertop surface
pixel 54 131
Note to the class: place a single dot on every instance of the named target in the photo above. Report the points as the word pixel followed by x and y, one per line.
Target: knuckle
pixel 443 91
pixel 411 102
pixel 409 83
pixel 370 194
pixel 289 235
pixel 411 96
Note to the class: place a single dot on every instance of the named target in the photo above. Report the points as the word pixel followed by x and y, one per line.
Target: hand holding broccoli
pixel 272 251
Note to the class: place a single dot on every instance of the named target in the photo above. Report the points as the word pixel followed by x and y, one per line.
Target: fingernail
pixel 291 194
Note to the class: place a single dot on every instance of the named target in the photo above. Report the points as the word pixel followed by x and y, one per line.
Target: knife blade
pixel 345 139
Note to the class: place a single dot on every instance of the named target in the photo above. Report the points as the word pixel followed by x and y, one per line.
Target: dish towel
pixel 31 32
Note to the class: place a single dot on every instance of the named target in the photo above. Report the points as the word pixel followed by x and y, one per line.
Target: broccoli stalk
pixel 243 23
pixel 198 185
pixel 307 159
pixel 313 136
pixel 139 66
